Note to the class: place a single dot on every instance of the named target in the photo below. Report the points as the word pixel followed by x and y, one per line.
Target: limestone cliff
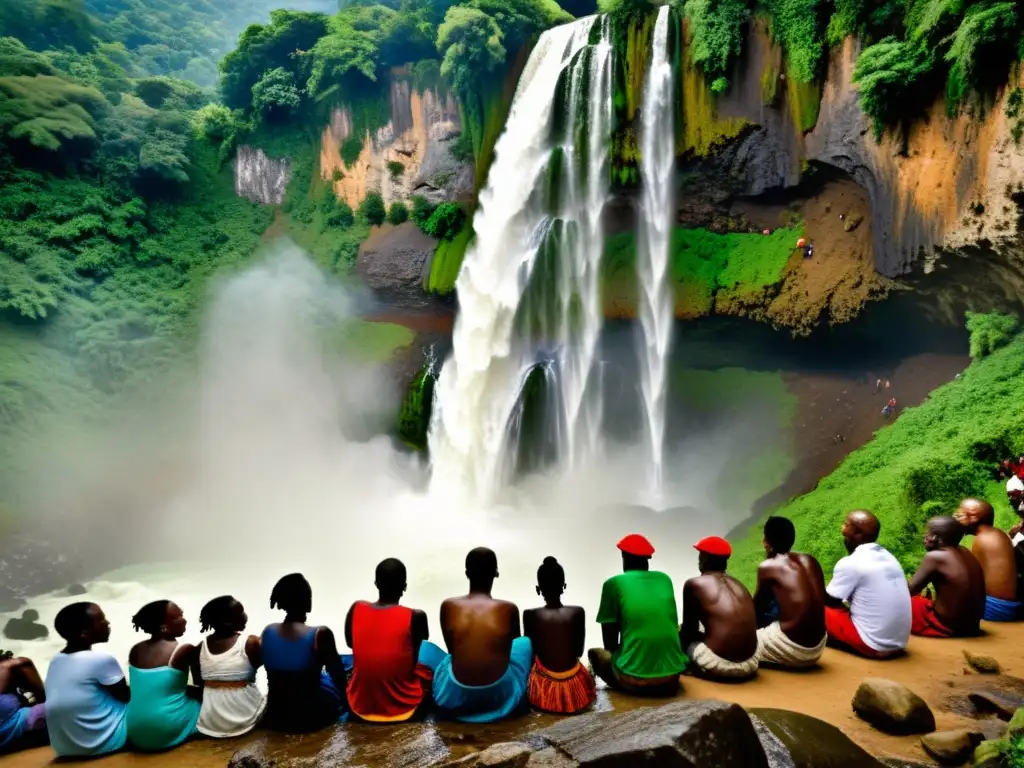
pixel 260 178
pixel 409 153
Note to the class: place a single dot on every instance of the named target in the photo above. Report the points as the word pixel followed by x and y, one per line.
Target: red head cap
pixel 714 545
pixel 635 544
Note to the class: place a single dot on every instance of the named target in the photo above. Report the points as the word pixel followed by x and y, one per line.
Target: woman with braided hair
pixel 225 664
pixel 163 711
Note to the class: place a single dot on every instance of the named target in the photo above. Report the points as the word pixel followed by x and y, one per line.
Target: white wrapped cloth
pixel 774 647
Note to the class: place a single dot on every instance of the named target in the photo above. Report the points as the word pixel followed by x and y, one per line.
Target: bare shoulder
pixel 507 605
pixel 575 610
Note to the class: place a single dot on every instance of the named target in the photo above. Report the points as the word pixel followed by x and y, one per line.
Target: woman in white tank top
pixel 226 664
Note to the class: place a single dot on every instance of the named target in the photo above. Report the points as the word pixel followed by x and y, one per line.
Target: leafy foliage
pixel 445 222
pixel 372 209
pixel 717 27
pixel 398 213
pixel 990 331
pixel 275 97
pixel 471 42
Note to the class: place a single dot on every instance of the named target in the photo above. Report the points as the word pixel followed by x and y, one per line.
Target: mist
pixel 272 454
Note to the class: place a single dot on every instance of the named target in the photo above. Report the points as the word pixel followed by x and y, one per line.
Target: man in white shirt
pixel 878 620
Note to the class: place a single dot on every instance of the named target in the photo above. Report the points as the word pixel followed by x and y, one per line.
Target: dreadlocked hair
pixel 216 613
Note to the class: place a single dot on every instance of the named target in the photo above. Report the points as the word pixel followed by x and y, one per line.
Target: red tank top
pixel 383 685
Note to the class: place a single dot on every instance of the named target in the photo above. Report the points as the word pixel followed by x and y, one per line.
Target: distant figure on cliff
pixel 306 682
pixel 483 677
pixel 877 622
pixel 388 684
pixel 789 600
pixel 639 626
pixel 994 551
pixel 26 628
pixel 959 583
pixel 727 648
pixel 889 409
pixel 558 682
pixel 22 706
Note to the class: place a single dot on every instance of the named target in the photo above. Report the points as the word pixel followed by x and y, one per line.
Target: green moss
pixel 702 131
pixel 924 463
pixel 804 102
pixel 704 263
pixel 769 85
pixel 444 269
pixel 414 416
pixel 369 342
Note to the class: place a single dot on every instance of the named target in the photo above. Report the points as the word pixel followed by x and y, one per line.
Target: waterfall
pixel 657 163
pixel 479 384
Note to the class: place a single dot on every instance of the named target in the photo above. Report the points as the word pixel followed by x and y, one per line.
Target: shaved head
pixel 943 531
pixel 860 527
pixel 975 512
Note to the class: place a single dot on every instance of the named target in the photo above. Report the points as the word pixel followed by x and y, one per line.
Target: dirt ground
pixel 934 669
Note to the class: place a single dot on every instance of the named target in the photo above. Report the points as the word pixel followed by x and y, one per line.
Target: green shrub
pixel 395 169
pixel 422 209
pixel 372 209
pixel 445 222
pixel 717 27
pixel 341 216
pixel 398 214
pixel 351 148
pixel 990 331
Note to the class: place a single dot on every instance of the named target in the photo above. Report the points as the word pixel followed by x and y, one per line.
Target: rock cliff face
pixel 259 178
pixel 411 154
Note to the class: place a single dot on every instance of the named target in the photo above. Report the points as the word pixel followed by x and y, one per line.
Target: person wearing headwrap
pixel 639 626
pixel 995 552
pixel 727 648
pixel 559 683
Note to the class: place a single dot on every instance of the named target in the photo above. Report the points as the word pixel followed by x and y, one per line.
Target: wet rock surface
pixel 951 747
pixel 260 178
pixel 807 741
pixel 33 564
pixel 393 263
pixel 892 708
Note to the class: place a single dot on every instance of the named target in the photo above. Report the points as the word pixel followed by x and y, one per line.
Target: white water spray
pixel 657 162
pixel 479 385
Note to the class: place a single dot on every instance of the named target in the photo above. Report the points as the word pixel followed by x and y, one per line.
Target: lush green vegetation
pixel 922 465
pixel 704 263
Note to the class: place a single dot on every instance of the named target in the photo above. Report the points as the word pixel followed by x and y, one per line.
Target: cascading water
pixel 479 385
pixel 657 162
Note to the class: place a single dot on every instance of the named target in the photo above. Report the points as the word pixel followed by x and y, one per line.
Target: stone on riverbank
pixel 252 756
pixel 807 741
pixel 688 734
pixel 892 708
pixel 951 747
pixel 983 665
pixel 509 754
pixel 1002 703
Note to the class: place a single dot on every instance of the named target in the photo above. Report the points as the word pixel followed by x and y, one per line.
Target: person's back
pixel 86 694
pixel 225 665
pixel 559 683
pixel 994 551
pixel 960 591
pixel 727 613
pixel 479 631
pixel 798 587
pixel 161 714
pixel 387 683
pixel 646 606
pixel 483 677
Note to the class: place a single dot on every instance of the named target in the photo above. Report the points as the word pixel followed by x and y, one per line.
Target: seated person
pixel 26 628
pixel 225 667
pixel 958 580
pixel 877 622
pixel 22 706
pixel 163 710
pixel 793 634
pixel 1015 495
pixel 994 551
pixel 558 682
pixel 387 685
pixel 306 682
pixel 640 626
pixel 483 677
pixel 727 648
pixel 86 693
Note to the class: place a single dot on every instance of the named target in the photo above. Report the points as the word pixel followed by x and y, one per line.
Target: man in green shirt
pixel 640 627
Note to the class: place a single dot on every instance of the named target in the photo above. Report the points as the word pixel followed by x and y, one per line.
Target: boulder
pixel 509 754
pixel 393 262
pixel 252 756
pixel 550 758
pixel 892 708
pixel 951 747
pixel 1001 703
pixel 983 665
pixel 74 590
pixel 988 754
pixel 26 628
pixel 806 742
pixel 683 734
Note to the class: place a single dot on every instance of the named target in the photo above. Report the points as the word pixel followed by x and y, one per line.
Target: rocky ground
pixel 934 669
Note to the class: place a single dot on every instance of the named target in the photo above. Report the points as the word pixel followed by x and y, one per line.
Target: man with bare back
pixel 959 583
pixel 559 683
pixel 994 551
pixel 727 648
pixel 790 601
pixel 483 677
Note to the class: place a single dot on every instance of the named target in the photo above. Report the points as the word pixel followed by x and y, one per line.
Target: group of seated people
pixel 495 667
